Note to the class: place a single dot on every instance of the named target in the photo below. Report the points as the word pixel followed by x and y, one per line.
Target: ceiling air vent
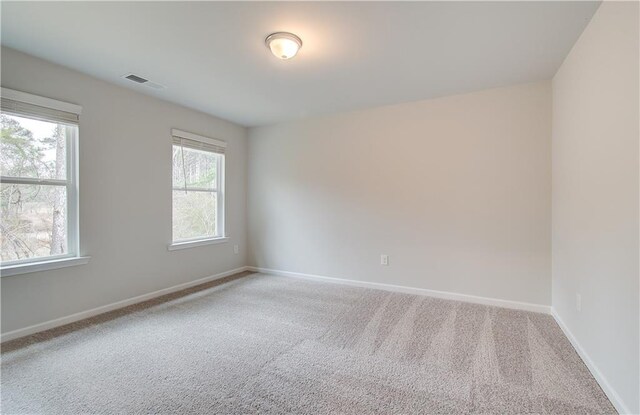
pixel 136 78
pixel 140 80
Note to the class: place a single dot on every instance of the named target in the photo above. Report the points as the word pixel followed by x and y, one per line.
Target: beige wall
pixel 456 190
pixel 595 195
pixel 125 197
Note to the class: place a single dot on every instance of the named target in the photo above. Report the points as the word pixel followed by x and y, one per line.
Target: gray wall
pixel 125 197
pixel 456 190
pixel 595 195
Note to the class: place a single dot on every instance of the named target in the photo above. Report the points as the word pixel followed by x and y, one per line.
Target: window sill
pixel 45 265
pixel 191 244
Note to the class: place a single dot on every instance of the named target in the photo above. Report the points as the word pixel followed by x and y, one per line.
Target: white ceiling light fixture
pixel 283 45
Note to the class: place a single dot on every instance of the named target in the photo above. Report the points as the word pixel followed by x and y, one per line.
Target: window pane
pixel 200 167
pixel 33 148
pixel 194 215
pixel 33 220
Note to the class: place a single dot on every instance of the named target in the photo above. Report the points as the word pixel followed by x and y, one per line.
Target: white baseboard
pixel 602 381
pixel 110 307
pixel 537 308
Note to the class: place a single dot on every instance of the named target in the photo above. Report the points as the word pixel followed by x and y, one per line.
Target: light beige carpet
pixel 266 344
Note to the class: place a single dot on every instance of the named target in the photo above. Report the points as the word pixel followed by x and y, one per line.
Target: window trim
pixel 191 243
pixel 72 257
pixel 50 263
pixel 221 236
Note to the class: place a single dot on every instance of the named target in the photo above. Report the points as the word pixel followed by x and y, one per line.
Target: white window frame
pixel 72 257
pixel 221 236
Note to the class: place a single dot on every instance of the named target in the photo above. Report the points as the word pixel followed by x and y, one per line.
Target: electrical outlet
pixel 578 302
pixel 235 249
pixel 384 259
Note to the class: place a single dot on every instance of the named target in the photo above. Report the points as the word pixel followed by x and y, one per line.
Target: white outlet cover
pixel 384 259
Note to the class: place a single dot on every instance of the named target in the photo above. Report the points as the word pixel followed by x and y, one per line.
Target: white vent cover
pixel 142 81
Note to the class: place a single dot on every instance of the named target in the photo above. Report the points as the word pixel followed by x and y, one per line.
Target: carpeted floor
pixel 266 344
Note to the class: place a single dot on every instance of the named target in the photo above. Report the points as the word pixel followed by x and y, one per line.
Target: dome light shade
pixel 283 45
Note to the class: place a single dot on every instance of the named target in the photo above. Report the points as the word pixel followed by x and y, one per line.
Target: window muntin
pixel 198 189
pixel 38 193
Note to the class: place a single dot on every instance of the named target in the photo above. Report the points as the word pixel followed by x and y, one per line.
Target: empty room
pixel 320 207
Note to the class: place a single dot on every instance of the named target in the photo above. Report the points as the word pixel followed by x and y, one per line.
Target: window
pixel 38 179
pixel 198 188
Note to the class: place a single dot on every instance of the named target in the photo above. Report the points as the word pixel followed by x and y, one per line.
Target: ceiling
pixel 211 55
